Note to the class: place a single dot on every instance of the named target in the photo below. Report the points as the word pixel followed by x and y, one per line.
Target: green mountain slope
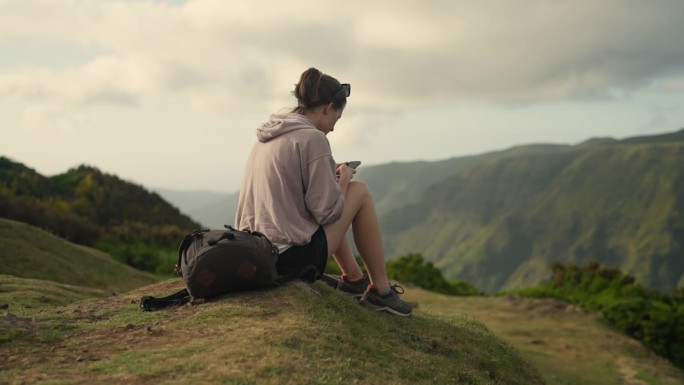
pixel 499 224
pixel 394 184
pixel 89 207
pixel 295 334
pixel 81 197
pixel 28 252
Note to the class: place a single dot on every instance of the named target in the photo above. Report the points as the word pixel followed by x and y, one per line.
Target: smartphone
pixel 354 163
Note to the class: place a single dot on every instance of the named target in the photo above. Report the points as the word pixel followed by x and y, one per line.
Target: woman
pixel 295 194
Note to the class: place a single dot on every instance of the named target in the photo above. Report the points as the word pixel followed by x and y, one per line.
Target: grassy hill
pixel 568 345
pixel 302 334
pixel 54 332
pixel 297 334
pixel 93 208
pixel 29 252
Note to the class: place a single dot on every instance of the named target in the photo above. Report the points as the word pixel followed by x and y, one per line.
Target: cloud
pixel 672 85
pixel 247 55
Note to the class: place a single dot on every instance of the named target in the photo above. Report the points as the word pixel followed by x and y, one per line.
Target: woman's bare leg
pixel 359 212
pixel 346 261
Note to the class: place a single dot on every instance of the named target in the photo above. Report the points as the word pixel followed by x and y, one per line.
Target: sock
pixel 387 290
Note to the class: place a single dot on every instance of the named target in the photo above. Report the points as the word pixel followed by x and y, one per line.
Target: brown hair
pixel 315 89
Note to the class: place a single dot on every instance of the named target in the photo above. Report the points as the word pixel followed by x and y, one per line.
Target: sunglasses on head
pixel 345 90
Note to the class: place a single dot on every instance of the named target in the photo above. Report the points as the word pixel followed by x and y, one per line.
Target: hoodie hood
pixel 280 124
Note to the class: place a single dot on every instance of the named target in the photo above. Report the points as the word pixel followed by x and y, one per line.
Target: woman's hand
pixel 344 173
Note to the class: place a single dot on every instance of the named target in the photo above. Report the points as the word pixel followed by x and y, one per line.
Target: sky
pixel 167 94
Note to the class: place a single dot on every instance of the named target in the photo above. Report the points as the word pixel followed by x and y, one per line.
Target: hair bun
pixel 314 89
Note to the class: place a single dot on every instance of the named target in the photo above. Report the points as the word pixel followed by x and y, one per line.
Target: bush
pixel 413 268
pixel 655 319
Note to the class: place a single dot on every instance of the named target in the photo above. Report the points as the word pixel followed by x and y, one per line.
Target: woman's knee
pixel 358 190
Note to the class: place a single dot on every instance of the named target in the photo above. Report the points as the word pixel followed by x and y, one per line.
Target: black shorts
pixel 315 253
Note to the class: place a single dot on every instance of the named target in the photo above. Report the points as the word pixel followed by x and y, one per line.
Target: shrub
pixel 413 268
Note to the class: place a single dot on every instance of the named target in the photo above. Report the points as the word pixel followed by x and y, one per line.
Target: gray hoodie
pixel 289 187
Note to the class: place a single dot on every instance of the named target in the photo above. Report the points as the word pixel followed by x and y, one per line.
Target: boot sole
pixel 387 309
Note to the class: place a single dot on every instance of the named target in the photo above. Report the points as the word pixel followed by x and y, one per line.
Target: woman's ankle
pixel 352 278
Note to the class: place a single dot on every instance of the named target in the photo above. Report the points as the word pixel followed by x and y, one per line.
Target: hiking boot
pixel 389 302
pixel 355 288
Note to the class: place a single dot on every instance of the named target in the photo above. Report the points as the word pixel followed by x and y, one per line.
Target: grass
pixel 29 252
pixel 568 345
pixel 60 333
pixel 310 334
pixel 289 335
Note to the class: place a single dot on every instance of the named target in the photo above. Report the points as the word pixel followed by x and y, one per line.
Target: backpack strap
pixel 187 241
pixel 149 303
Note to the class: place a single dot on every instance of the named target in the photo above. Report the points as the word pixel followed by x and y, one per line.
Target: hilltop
pixel 310 334
pixel 297 334
pixel 80 331
pixel 54 331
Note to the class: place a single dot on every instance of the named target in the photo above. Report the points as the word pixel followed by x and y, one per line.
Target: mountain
pixel 211 209
pixel 93 208
pixel 397 183
pixel 500 223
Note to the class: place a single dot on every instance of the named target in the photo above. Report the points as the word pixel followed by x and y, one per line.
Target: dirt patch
pixel 11 321
pixel 628 371
pixel 542 305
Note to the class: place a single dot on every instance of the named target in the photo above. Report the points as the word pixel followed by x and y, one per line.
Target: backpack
pixel 215 262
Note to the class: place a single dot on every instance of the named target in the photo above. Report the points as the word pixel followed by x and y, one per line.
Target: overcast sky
pixel 168 93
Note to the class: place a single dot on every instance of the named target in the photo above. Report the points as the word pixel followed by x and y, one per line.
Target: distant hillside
pixel 500 224
pixel 89 207
pixel 393 184
pixel 29 252
pixel 397 183
pixel 662 138
pixel 211 209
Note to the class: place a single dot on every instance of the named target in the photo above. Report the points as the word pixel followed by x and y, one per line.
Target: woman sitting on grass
pixel 295 194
